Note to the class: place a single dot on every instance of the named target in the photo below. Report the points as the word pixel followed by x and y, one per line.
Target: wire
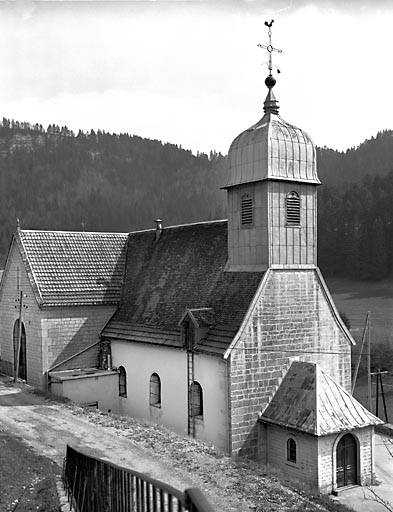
pixel 278 349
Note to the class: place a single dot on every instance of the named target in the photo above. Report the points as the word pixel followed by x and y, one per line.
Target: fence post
pixel 196 501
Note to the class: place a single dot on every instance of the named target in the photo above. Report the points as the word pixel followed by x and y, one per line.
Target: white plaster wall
pixel 211 373
pixel 102 389
pixel 141 360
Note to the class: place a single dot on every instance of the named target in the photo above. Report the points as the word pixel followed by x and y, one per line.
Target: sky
pixel 191 73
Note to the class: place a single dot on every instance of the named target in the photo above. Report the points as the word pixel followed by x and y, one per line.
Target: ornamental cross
pixel 269 47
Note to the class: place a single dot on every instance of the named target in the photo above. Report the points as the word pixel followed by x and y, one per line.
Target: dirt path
pixel 49 427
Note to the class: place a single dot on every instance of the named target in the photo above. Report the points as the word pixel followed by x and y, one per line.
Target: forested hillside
pixel 372 157
pixel 355 229
pixel 53 179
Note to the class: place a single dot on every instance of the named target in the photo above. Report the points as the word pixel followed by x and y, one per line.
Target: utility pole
pixel 369 363
pixel 379 382
pixel 361 352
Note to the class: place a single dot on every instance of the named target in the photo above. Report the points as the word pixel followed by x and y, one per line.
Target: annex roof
pixel 309 400
pixel 184 268
pixel 69 268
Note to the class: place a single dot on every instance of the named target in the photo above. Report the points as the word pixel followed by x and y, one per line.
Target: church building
pixel 224 330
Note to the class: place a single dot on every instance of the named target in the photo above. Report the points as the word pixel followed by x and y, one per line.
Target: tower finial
pixel 271 104
pixel 270 81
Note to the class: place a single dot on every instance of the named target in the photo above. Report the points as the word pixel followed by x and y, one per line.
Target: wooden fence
pixel 95 485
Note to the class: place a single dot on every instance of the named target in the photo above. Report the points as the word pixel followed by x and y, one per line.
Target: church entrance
pixel 346 461
pixel 22 373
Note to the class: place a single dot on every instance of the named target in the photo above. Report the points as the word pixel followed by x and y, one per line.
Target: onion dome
pixel 272 149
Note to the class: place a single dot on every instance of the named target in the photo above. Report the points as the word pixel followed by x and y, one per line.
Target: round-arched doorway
pixel 347 461
pixel 21 334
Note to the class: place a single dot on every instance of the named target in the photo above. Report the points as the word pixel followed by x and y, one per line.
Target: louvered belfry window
pixel 247 210
pixel 293 209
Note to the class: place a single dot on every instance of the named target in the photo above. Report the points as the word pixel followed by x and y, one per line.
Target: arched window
pixel 196 396
pixel 19 339
pixel 293 209
pixel 122 381
pixel 291 450
pixel 246 210
pixel 155 390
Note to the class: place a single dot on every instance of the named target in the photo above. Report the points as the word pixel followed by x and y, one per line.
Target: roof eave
pixel 77 304
pixel 263 419
pixel 315 182
pixel 28 267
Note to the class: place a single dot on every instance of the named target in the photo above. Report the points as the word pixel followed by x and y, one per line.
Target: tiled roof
pixel 142 334
pixel 216 340
pixel 183 269
pixel 310 401
pixel 69 268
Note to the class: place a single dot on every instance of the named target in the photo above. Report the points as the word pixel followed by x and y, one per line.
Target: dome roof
pixel 272 149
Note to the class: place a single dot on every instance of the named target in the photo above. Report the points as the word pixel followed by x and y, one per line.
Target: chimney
pixel 159 228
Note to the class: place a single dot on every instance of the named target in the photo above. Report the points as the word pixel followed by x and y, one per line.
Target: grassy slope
pixel 258 488
pixel 355 298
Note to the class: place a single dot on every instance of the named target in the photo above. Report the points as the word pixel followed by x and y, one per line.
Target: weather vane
pixel 269 47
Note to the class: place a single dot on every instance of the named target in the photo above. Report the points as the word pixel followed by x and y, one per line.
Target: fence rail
pixel 95 485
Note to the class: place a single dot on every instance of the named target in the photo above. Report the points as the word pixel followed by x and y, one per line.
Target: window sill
pixel 157 406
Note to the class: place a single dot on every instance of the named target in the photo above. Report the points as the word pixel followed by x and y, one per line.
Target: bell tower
pixel 272 192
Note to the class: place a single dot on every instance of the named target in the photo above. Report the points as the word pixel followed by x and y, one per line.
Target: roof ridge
pixel 72 232
pixel 204 222
pixel 348 396
pixel 31 275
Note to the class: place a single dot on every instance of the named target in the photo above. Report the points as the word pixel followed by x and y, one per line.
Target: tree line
pixel 355 229
pixel 97 181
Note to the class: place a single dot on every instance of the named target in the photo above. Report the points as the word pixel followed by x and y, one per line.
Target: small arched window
pixel 155 390
pixel 246 210
pixel 122 381
pixel 291 450
pixel 196 396
pixel 293 209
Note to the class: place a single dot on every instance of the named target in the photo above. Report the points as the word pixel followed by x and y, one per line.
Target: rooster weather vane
pixel 270 48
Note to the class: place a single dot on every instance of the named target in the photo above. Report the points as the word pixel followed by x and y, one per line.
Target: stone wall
pixel 306 466
pixel 53 335
pixel 14 281
pixel 327 467
pixel 315 456
pixel 291 319
pixel 70 331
